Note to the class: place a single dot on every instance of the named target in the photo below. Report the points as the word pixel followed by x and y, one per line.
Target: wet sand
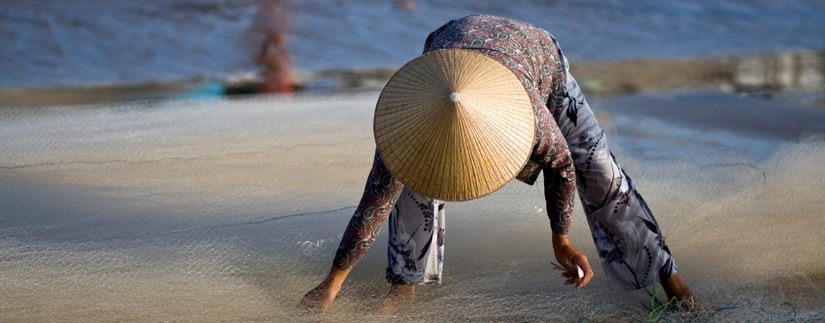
pixel 228 210
pixel 765 75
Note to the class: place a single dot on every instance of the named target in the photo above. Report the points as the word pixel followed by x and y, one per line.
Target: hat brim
pixel 458 148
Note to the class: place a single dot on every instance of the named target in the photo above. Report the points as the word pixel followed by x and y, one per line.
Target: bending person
pixel 448 127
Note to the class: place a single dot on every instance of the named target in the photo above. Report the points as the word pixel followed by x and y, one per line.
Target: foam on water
pixel 231 210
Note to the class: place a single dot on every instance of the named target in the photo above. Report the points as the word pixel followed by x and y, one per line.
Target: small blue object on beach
pixel 205 90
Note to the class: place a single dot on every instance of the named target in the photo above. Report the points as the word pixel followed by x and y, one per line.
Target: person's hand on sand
pixel 322 296
pixel 572 260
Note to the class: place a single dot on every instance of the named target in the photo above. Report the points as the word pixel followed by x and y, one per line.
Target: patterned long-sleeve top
pixel 534 57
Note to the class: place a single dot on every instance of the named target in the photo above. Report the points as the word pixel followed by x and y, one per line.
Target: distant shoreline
pixel 758 75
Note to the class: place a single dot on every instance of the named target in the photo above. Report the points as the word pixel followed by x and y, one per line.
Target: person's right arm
pixel 553 154
pixel 380 194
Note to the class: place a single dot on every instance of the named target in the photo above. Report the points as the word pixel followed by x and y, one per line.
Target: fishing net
pixel 231 210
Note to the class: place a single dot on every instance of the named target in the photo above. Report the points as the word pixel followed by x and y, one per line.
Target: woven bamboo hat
pixel 454 125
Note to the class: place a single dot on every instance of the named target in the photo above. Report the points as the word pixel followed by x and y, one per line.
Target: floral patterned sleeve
pixel 380 193
pixel 552 153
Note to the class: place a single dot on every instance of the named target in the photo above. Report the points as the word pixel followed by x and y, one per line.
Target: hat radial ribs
pixel 454 150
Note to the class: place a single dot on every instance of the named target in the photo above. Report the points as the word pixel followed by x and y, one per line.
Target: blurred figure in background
pixel 405 4
pixel 271 30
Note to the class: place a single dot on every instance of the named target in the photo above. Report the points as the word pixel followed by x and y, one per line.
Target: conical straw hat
pixel 454 125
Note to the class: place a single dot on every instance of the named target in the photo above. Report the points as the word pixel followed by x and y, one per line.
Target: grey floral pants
pixel 630 244
pixel 416 241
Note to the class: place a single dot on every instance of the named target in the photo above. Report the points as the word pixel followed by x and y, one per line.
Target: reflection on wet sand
pixel 756 75
pixel 762 75
pixel 795 71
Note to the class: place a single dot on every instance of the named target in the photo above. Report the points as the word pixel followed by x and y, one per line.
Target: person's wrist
pixel 560 239
pixel 336 276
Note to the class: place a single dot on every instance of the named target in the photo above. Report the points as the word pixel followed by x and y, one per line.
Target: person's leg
pixel 415 245
pixel 631 246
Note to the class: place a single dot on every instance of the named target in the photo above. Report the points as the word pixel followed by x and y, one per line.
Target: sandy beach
pixel 230 209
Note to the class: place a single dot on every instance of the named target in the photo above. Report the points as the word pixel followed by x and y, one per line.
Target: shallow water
pixel 52 43
pixel 230 210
